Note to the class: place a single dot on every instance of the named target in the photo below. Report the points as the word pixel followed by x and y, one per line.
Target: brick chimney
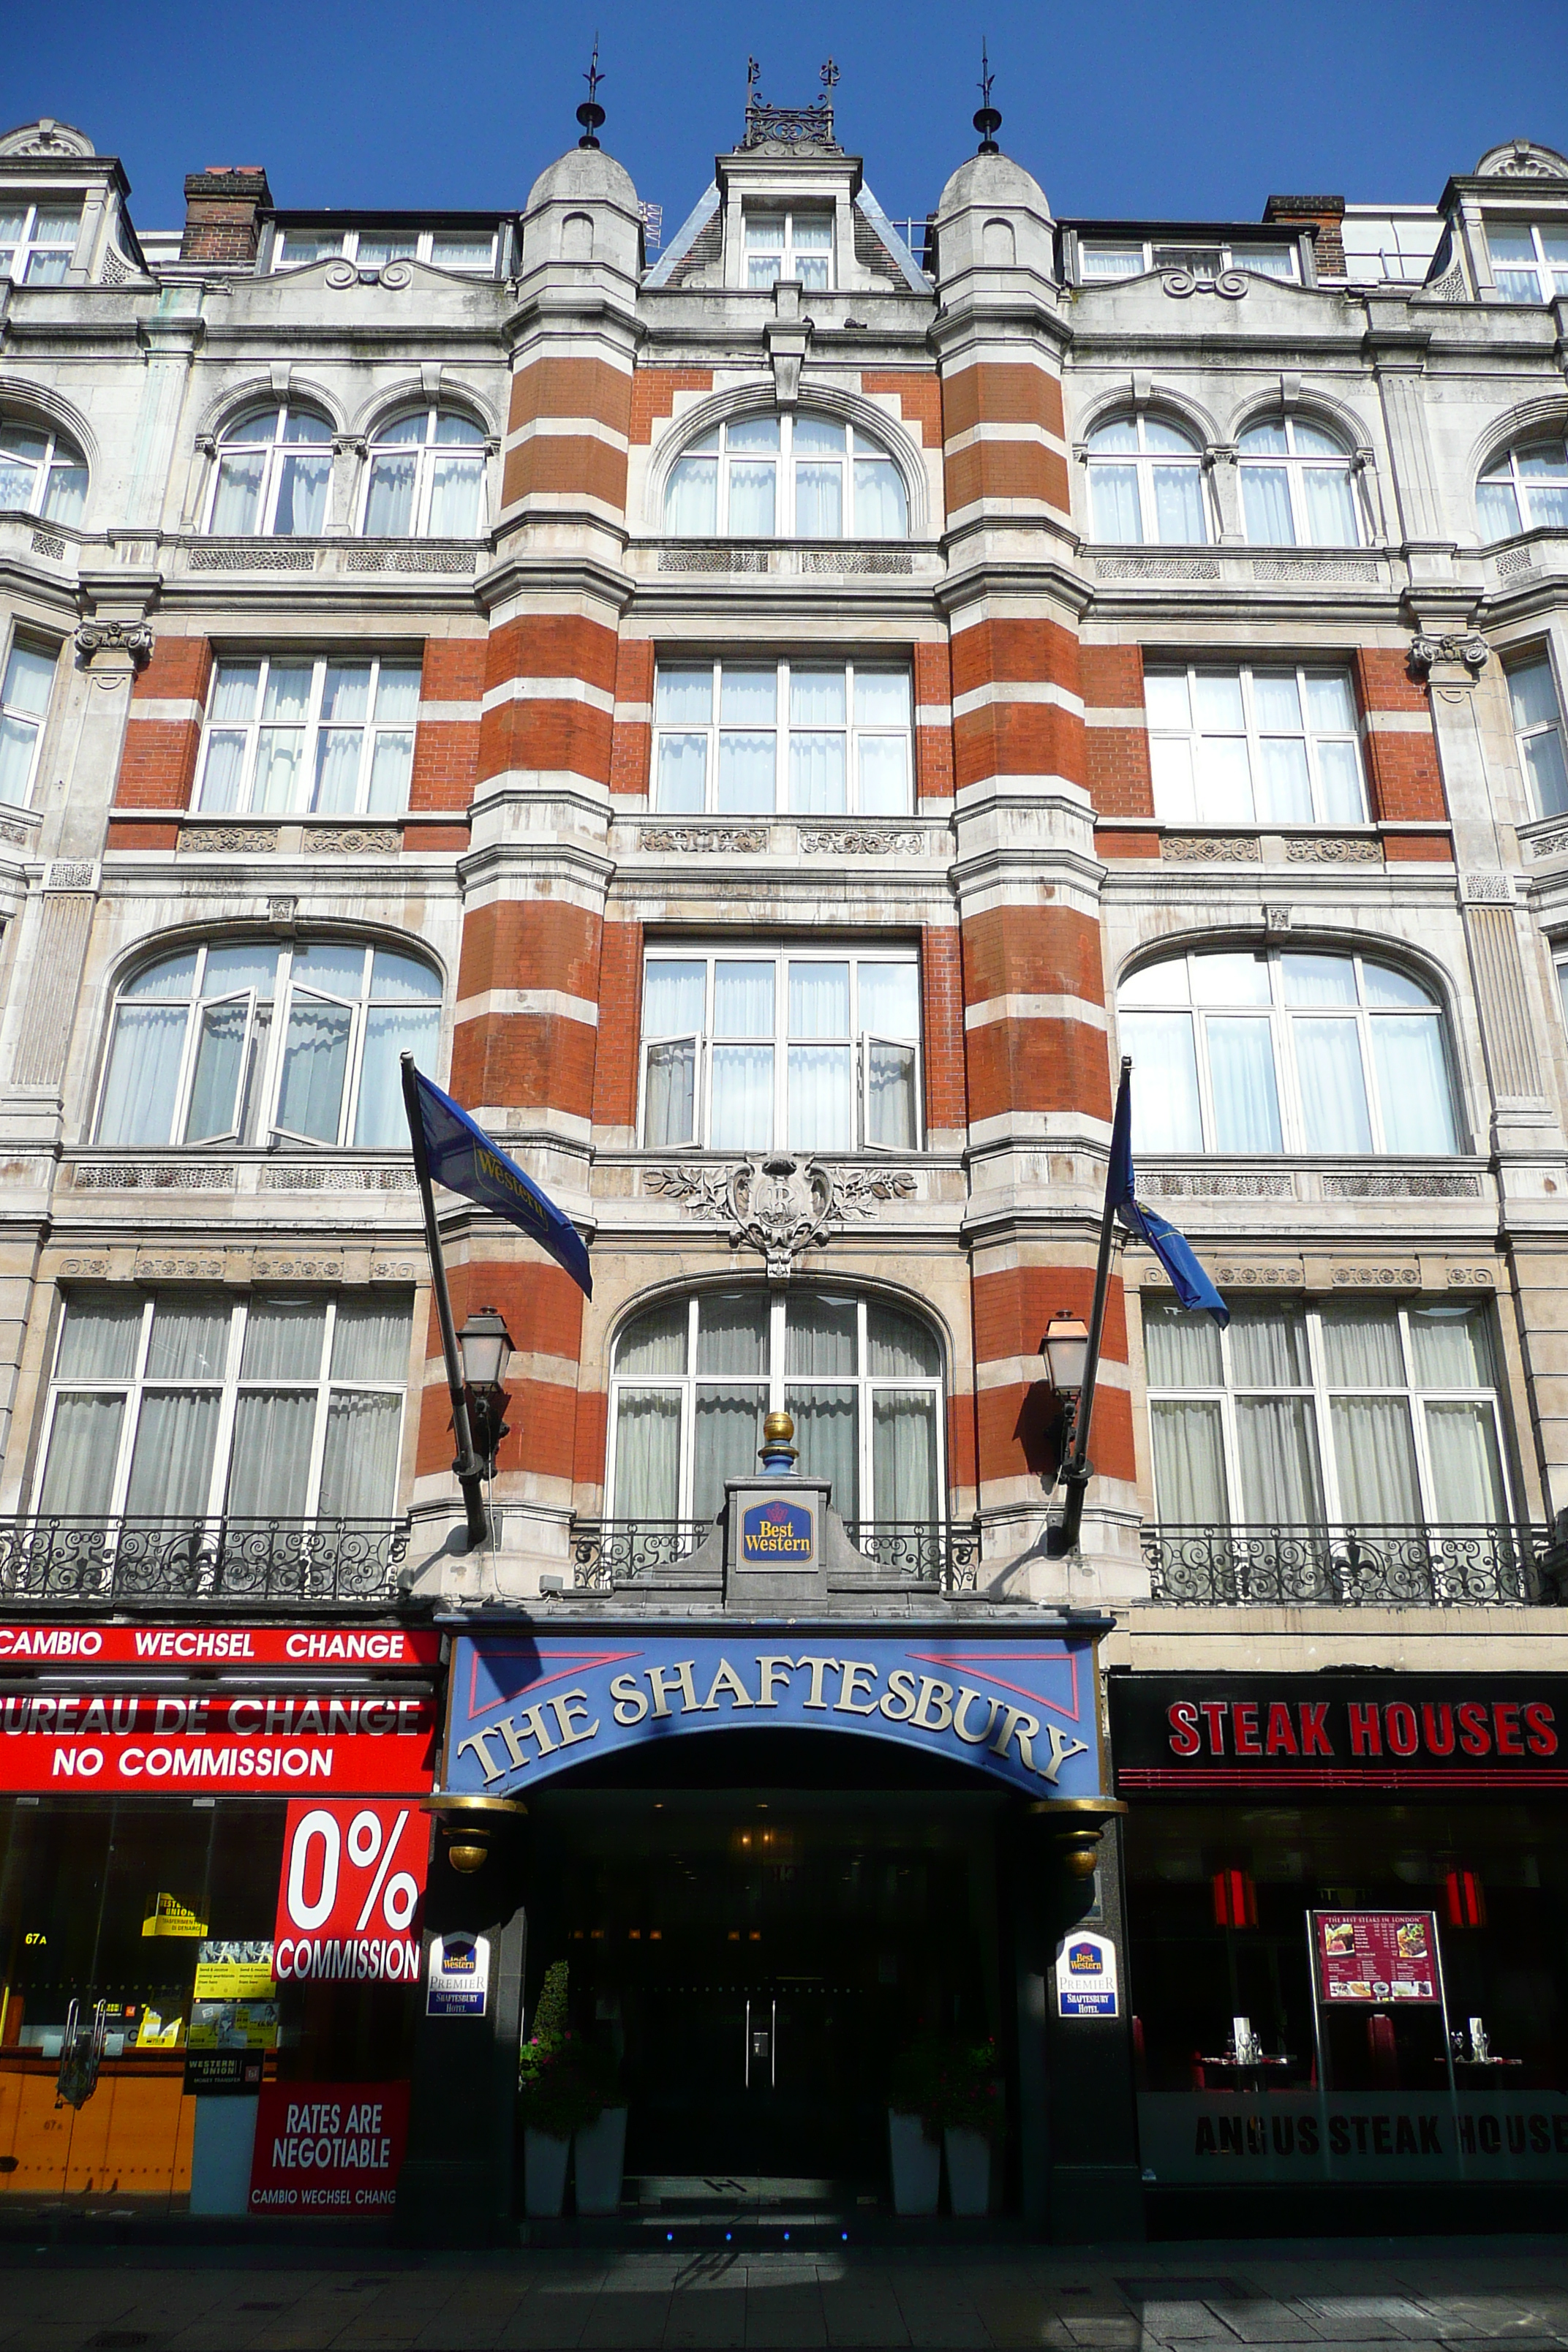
pixel 1320 214
pixel 221 208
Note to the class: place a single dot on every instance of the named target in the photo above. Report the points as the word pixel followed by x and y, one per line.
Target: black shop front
pixel 1347 1906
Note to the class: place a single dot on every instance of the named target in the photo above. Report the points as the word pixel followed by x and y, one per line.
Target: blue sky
pixel 1188 109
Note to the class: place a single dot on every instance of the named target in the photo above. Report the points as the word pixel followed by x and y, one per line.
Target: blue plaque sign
pixel 523 1709
pixel 776 1534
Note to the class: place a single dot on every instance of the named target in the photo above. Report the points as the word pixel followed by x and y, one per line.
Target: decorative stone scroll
pixel 84 1269
pixel 846 841
pixel 1230 285
pixel 1466 646
pixel 1471 1278
pixel 15 835
pixel 226 840
pixel 680 841
pixel 352 840
pixel 1332 849
pixel 1211 849
pixel 132 638
pixel 780 1205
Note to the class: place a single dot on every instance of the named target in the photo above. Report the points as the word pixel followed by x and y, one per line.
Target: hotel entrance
pixel 761 1958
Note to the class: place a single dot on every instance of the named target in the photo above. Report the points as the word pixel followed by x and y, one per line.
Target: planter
pixel 968 2170
pixel 601 2159
pixel 543 2173
pixel 916 2164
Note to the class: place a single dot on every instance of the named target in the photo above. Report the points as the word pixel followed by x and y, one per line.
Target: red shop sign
pixel 244 1743
pixel 385 1648
pixel 329 2147
pixel 349 1893
pixel 1376 1956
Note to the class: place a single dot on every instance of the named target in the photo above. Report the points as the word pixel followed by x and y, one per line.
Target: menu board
pixel 1376 1956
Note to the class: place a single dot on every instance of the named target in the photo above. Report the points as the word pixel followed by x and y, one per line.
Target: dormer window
pixel 789 245
pixel 1530 264
pixel 786 476
pixel 470 250
pixel 1099 260
pixel 37 242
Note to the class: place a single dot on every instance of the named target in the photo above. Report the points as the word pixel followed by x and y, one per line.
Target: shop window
pixel 695 1377
pixel 1145 483
pixel 1356 1415
pixel 793 475
pixel 1252 1051
pixel 1525 489
pixel 802 738
pixel 1254 746
pixel 274 474
pixel 426 477
pixel 814 1050
pixel 240 1042
pixel 186 1405
pixel 286 737
pixel 1538 731
pixel 42 472
pixel 1297 486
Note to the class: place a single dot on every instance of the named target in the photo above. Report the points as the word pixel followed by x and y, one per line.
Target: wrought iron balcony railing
pixel 241 1563
pixel 609 1553
pixel 1350 1567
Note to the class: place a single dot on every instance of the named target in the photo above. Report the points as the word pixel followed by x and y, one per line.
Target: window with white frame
pixel 23 707
pixel 1538 728
pixel 1530 264
pixel 806 738
pixel 41 473
pixel 1350 1415
pixel 274 475
pixel 789 245
pixel 786 476
pixel 1297 486
pixel 284 737
pixel 808 1050
pixel 426 477
pixel 186 1405
pixel 1243 1051
pixel 695 1377
pixel 1254 746
pixel 1525 489
pixel 373 249
pixel 37 241
pixel 242 1041
pixel 1145 483
pixel 1099 258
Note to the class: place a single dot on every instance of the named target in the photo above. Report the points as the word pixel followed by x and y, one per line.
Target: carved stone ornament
pixel 352 840
pixel 1211 849
pixel 1332 849
pixel 1522 159
pixel 850 842
pixel 1376 1277
pixel 680 841
pixel 781 1205
pixel 226 840
pixel 1230 283
pixel 132 638
pixel 1466 645
pixel 1471 1278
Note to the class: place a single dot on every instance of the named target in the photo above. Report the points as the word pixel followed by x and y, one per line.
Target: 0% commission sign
pixel 349 1893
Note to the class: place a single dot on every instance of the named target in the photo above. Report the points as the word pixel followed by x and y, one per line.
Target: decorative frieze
pixel 408 559
pixel 680 841
pixel 352 840
pixel 46 544
pixel 1406 1185
pixel 851 842
pixel 1201 1184
pixel 1211 849
pixel 154 1176
pixel 157 1266
pixel 1282 569
pixel 84 1269
pixel 226 840
pixel 299 1269
pixel 1157 567
pixel 1332 849
pixel 1471 1278
pixel 1376 1277
pixel 337 1180
pixel 250 555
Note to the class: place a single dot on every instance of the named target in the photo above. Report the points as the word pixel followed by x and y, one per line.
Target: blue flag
pixel 463 1158
pixel 1191 1284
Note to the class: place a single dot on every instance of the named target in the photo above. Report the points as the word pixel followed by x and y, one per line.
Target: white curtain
pixel 1265 506
pixel 1284 785
pixel 222 776
pixel 691 502
pixel 671 1106
pixel 17 738
pixel 1171 766
pixel 1179 506
pixel 818 501
pixel 1278 1443
pixel 742 1117
pixel 899 1346
pixel 315 1064
pixel 1241 1073
pixel 890 999
pixel 170 1468
pixel 1543 759
pixel 1467 1474
pixel 1165 1112
pixel 1182 1349
pixel 390 1030
pixel 457 492
pixel 881 510
pixel 1113 504
pixel 283 1339
pixel 816 775
pixel 903 1454
pixel 733 1334
pixel 1497 508
pixel 84 1448
pixel 100 1338
pixel 1452 1348
pixel 236 509
pixel 358 1462
pixel 1413 1083
pixel 1374 1455
pixel 647 1454
pixel 1223 784
pixel 826 1431
pixel 729 1432
pixel 1331 507
pixel 337 770
pixel 391 767
pixel 752 499
pixel 370 1339
pixel 1339 788
pixel 820 1341
pixel 884 774
pixel 143 1073
pixel 890 1095
pixel 1333 1091
pixel 1361 1348
pixel 746 775
pixel 389 509
pixel 1189 1462
pixel 821 1099
pixel 302 485
pixel 681 788
pixel 655 1343
pixel 270 1469
pixel 215 1108
pixel 190 1339
pixel 1268 1348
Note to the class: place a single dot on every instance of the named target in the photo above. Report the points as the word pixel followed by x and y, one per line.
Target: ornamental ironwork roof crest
pixel 790 129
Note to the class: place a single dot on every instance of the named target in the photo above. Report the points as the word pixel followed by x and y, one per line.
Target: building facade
pixel 769 725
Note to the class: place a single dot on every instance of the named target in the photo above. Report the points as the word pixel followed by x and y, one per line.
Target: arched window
pixel 241 1041
pixel 1280 1050
pixel 1525 489
pixel 786 476
pixel 426 477
pixel 41 473
pixel 1296 487
pixel 1145 483
pixel 694 1378
pixel 274 475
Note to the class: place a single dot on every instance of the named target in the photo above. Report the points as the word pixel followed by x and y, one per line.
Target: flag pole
pixel 470 1474
pixel 1076 1473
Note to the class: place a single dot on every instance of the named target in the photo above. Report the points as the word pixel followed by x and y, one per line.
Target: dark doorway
pixel 759 1957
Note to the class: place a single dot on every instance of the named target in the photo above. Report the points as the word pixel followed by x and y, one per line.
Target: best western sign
pixel 522 1710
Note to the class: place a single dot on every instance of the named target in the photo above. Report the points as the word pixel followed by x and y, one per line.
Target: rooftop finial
pixel 592 114
pixel 827 75
pixel 987 122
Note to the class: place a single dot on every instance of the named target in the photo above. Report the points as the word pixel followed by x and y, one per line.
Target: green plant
pixel 950 2084
pixel 564 2082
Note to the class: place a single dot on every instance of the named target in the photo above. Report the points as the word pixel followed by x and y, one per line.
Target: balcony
pixel 1355 1568
pixel 97 1563
pixel 939 1556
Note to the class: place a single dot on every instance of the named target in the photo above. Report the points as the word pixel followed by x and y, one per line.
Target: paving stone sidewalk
pixel 1205 2297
